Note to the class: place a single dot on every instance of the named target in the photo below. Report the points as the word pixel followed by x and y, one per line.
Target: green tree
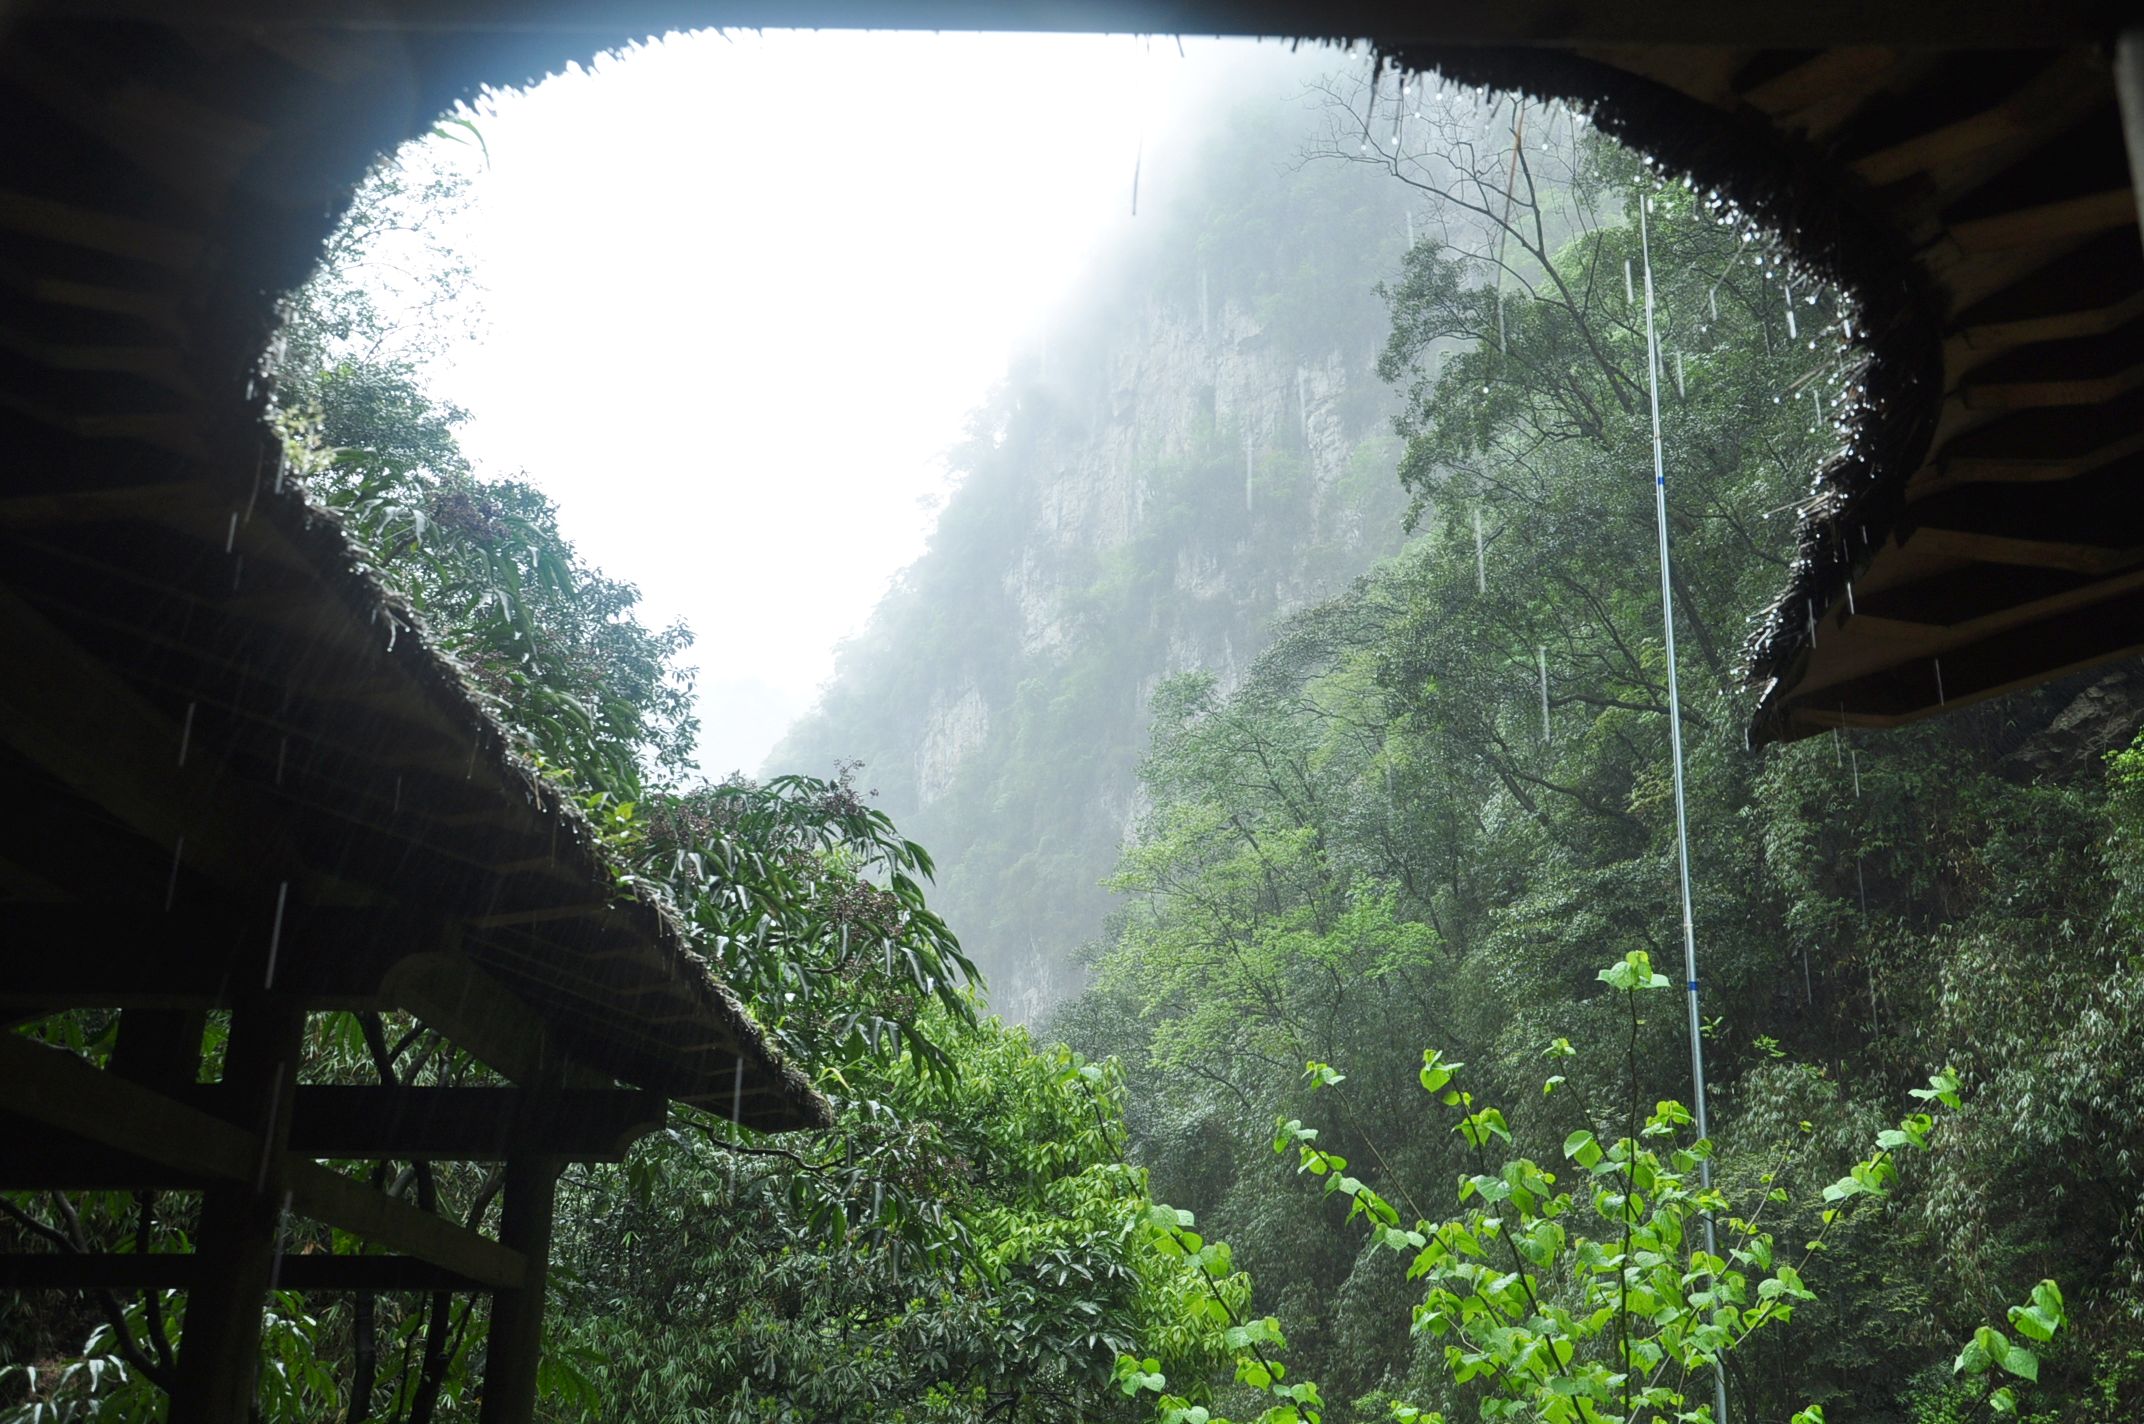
pixel 1467 753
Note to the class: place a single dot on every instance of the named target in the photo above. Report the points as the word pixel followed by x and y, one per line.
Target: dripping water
pixel 275 933
pixel 1542 655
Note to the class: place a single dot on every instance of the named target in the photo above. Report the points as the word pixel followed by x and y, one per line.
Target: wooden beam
pixel 324 1272
pixel 162 365
pixel 202 957
pixel 1982 547
pixel 1977 601
pixel 449 993
pixel 2056 220
pixel 61 1164
pixel 57 1270
pixel 2085 291
pixel 65 711
pixel 2044 444
pixel 2027 390
pixel 1959 675
pixel 176 1270
pixel 59 1090
pixel 1823 76
pixel 96 231
pixel 465 1124
pixel 371 1215
pixel 178 433
pixel 1921 24
pixel 1978 143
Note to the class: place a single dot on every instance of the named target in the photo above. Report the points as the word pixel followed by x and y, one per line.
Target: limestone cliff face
pixel 957 723
pixel 1204 448
pixel 1167 385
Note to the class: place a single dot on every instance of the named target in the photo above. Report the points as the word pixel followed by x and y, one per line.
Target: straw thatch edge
pixel 1820 217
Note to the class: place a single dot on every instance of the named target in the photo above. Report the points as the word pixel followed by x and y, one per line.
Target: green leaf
pixel 1633 973
pixel 2042 1316
pixel 2021 1362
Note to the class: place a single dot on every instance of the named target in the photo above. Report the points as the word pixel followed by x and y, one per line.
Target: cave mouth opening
pixel 658 263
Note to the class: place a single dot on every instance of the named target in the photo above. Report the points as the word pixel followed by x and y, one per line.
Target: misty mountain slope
pixel 1203 445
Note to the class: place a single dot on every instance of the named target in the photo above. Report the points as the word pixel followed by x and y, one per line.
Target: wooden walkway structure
pixel 234 784
pixel 237 783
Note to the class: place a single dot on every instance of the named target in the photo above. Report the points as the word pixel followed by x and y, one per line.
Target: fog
pixel 741 292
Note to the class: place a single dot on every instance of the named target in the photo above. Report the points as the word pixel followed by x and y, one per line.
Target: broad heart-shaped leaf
pixel 2018 1360
pixel 2043 1316
pixel 1981 1353
pixel 2031 1323
pixel 1633 973
pixel 1581 1148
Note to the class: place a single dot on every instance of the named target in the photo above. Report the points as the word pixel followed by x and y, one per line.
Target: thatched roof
pixel 1981 527
pixel 230 750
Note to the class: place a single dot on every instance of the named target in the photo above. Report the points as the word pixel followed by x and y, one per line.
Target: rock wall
pixel 1202 447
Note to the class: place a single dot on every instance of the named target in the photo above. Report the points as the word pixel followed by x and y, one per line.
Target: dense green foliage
pixel 966 1243
pixel 1411 832
pixel 1439 802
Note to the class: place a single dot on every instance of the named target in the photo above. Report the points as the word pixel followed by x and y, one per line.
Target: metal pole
pixel 1682 815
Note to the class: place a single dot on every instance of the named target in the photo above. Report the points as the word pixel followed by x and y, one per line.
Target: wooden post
pixel 159 1048
pixel 239 1224
pixel 515 1343
pixel 2129 88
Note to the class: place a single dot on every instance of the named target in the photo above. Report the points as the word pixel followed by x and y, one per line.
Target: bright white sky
pixel 742 292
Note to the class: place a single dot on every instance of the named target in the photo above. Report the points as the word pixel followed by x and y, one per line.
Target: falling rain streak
pixel 1542 654
pixel 268 1134
pixel 736 1115
pixel 275 933
pixel 282 1243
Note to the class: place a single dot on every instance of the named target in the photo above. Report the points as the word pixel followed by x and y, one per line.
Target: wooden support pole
pixel 240 1222
pixel 159 1048
pixel 2129 88
pixel 515 1343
